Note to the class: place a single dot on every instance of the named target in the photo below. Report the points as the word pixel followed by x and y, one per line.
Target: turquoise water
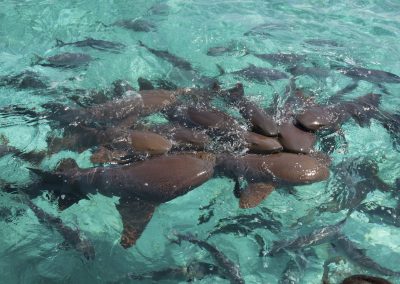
pixel 365 33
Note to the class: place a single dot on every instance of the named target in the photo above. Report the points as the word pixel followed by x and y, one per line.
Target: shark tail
pixel 48 177
pixel 36 59
pixel 221 70
pixel 32 157
pixel 59 43
pixel 103 24
pixel 246 52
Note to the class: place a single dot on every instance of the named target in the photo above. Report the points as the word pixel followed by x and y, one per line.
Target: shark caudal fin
pixel 36 59
pixel 141 44
pixel 103 24
pixel 57 176
pixel 59 43
pixel 220 69
pixel 66 192
pixel 48 177
pixel 246 52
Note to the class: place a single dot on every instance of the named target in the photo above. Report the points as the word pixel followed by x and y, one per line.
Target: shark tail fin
pixel 59 176
pixel 103 24
pixel 36 59
pixel 33 157
pixel 59 42
pixel 221 70
pixel 48 177
pixel 246 52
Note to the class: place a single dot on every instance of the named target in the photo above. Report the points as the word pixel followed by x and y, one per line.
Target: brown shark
pixel 211 118
pixel 132 143
pixel 275 169
pixel 81 137
pixel 148 142
pixel 125 108
pixel 187 136
pixel 279 167
pixel 184 137
pixel 295 140
pixel 262 123
pixel 141 186
pixel 259 144
pixel 103 155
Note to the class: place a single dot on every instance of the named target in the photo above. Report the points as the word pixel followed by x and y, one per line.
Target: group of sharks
pixel 152 164
pixel 260 149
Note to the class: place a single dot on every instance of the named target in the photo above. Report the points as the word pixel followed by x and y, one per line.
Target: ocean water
pixel 348 33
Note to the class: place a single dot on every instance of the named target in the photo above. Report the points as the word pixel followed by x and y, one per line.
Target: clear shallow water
pixel 366 33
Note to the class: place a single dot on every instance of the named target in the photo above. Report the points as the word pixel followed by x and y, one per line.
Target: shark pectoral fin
pixel 221 70
pixel 59 43
pixel 67 200
pixel 135 215
pixel 362 119
pixel 347 89
pixel 254 194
